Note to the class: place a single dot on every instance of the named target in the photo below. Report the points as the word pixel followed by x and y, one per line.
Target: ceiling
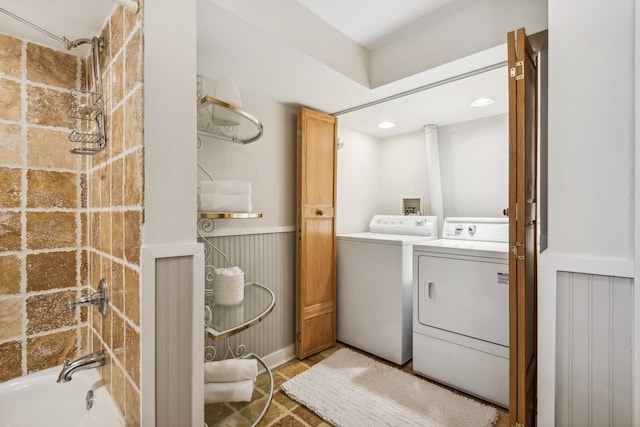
pixel 73 19
pixel 372 24
pixel 319 54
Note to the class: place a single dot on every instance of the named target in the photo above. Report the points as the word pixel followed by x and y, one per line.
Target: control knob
pixel 459 228
pixel 421 221
pixel 472 229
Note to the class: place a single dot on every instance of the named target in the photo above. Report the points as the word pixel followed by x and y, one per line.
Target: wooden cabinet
pixel 316 236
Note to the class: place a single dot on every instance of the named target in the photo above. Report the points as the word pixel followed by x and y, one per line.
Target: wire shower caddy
pixel 87 107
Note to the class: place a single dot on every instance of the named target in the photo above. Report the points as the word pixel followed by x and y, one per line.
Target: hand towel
pixel 238 391
pixel 214 202
pixel 225 187
pixel 230 370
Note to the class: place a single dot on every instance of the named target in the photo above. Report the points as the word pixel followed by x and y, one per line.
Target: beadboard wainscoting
pixel 594 342
pixel 171 362
pixel 268 259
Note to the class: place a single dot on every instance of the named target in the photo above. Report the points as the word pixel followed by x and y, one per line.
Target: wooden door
pixel 316 237
pixel 522 229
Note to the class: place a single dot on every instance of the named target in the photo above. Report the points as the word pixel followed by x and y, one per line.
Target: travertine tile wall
pixel 115 211
pixel 66 221
pixel 42 201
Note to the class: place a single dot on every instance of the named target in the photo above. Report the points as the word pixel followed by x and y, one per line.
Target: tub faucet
pixel 89 361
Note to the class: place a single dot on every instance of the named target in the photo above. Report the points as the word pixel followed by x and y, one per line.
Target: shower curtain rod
pixel 62 40
pixel 424 87
pixel 128 4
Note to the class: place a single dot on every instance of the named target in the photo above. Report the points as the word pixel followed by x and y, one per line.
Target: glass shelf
pixel 226 121
pixel 229 215
pixel 226 321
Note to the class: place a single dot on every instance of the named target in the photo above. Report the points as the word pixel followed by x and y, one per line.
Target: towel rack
pixel 227 321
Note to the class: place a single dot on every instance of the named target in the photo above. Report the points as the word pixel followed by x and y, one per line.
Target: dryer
pixel 461 308
pixel 374 284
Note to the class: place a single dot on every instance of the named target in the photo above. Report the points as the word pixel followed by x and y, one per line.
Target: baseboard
pixel 280 357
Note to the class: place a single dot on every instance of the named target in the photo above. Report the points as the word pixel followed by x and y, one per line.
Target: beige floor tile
pixel 285 412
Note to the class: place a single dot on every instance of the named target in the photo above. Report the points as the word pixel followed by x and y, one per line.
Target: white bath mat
pixel 349 389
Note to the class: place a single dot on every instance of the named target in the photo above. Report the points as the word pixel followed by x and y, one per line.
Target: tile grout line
pixel 23 202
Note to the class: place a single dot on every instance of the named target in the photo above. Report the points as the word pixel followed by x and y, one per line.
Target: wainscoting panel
pixel 174 290
pixel 268 259
pixel 594 350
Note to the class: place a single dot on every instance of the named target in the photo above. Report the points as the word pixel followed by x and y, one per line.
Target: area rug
pixel 348 389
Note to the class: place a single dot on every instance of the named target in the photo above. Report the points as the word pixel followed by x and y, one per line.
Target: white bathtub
pixel 37 400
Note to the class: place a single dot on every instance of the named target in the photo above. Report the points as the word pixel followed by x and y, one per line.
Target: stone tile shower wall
pixel 115 211
pixel 66 221
pixel 42 201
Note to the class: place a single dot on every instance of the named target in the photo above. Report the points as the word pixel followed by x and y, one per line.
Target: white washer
pixel 374 284
pixel 461 308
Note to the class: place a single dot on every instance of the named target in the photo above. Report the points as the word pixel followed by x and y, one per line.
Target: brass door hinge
pixel 514 251
pixel 298 336
pixel 299 234
pixel 513 71
pixel 518 425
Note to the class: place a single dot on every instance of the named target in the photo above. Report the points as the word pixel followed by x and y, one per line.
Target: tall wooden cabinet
pixel 316 235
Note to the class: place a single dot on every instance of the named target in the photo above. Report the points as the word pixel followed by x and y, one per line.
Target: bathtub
pixel 37 400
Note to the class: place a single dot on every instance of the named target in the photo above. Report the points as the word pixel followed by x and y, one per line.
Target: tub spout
pixel 89 361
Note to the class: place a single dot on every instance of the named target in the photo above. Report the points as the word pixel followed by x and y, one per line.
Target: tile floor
pixel 284 412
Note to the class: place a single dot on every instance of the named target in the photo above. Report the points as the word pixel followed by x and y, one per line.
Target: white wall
pixel 590 128
pixel 590 165
pixel 169 121
pixel 454 32
pixel 169 228
pixel 269 163
pixel 358 180
pixel 474 165
pixel 403 172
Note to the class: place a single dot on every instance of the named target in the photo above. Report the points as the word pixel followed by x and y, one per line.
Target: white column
pixel 433 173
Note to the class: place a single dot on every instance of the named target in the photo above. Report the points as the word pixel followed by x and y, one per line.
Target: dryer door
pixel 465 295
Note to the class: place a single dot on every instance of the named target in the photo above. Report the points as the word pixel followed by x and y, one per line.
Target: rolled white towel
pixel 237 391
pixel 230 370
pixel 213 202
pixel 225 187
pixel 229 271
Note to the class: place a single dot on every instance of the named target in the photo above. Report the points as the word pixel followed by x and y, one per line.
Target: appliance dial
pixel 472 229
pixel 459 228
pixel 421 221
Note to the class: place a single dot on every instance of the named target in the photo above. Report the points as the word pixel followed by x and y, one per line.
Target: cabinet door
pixel 316 240
pixel 523 138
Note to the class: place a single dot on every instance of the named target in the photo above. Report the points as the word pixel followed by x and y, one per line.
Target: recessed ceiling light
pixel 386 125
pixel 481 102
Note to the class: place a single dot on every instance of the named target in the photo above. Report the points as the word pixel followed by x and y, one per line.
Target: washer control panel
pixel 483 229
pixel 405 224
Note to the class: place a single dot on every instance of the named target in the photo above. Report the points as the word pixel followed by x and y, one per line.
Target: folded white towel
pixel 230 370
pixel 238 391
pixel 225 187
pixel 213 202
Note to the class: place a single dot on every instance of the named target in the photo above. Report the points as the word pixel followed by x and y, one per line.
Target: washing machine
pixel 374 284
pixel 461 308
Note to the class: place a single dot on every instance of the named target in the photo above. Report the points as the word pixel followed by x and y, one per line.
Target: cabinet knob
pixel 319 212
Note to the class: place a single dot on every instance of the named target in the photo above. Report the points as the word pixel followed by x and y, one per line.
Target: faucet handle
pixel 100 298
